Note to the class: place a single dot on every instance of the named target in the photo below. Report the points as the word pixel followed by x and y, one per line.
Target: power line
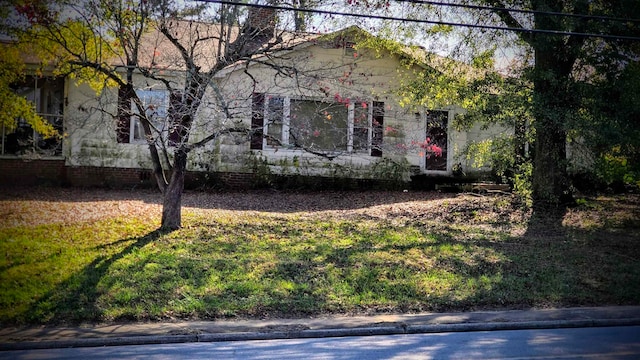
pixel 423 21
pixel 521 11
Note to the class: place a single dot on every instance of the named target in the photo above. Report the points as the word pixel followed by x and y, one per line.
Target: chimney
pixel 261 21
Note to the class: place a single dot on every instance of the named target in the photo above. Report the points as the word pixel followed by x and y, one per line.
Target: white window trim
pixel 286 123
pixel 350 126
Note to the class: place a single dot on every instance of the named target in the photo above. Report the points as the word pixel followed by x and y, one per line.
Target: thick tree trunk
pixel 555 101
pixel 550 180
pixel 552 105
pixel 172 203
pixel 554 95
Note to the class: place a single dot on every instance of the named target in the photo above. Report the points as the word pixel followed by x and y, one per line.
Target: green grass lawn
pixel 252 264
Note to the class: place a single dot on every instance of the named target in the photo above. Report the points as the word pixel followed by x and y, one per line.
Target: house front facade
pixel 322 108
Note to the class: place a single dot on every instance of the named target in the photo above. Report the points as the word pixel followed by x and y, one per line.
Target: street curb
pixel 316 333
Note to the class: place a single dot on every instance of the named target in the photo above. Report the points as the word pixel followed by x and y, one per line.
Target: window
pixel 360 126
pixel 377 126
pixel 317 125
pixel 47 96
pixel 436 133
pixel 155 104
pixel 350 49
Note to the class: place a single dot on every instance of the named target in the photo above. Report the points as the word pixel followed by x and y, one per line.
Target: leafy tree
pixel 12 71
pixel 563 64
pixel 13 106
pixel 608 128
pixel 301 18
pixel 571 73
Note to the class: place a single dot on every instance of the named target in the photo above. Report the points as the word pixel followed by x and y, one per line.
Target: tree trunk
pixel 299 16
pixel 555 101
pixel 552 104
pixel 172 202
pixel 550 180
pixel 158 173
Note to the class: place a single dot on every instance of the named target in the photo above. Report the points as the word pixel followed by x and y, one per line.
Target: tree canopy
pixel 568 81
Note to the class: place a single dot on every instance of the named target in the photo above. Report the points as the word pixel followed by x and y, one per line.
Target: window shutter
pixel 176 130
pixel 257 121
pixel 123 127
pixel 378 128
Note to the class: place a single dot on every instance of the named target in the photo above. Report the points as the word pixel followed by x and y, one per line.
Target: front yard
pixel 73 255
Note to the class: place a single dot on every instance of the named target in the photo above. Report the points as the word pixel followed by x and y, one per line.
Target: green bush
pixel 497 154
pixel 613 170
pixel 522 182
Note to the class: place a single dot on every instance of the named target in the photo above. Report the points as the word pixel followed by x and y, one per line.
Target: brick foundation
pixel 53 172
pixel 107 177
pixel 17 171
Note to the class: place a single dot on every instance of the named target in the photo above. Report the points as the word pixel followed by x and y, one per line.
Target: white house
pixel 323 105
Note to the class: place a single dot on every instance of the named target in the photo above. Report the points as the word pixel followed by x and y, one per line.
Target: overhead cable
pixel 521 11
pixel 424 21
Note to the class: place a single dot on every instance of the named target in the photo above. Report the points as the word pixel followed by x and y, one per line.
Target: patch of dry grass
pixel 39 206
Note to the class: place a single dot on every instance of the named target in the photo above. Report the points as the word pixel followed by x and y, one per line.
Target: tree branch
pixel 183 51
pixel 214 136
pixel 510 21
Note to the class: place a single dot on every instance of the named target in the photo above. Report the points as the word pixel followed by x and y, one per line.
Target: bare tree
pixel 170 72
pixel 129 44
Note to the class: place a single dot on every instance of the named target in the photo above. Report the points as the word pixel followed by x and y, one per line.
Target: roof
pixel 419 56
pixel 206 43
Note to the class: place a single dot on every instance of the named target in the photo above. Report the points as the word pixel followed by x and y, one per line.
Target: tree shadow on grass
pixel 546 222
pixel 247 269
pixel 74 300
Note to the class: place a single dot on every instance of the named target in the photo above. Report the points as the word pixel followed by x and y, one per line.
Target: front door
pixel 437 123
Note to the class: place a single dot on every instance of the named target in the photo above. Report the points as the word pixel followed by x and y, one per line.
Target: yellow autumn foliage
pixel 75 50
pixel 13 106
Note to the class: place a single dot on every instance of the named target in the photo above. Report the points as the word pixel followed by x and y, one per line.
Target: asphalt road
pixel 621 342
